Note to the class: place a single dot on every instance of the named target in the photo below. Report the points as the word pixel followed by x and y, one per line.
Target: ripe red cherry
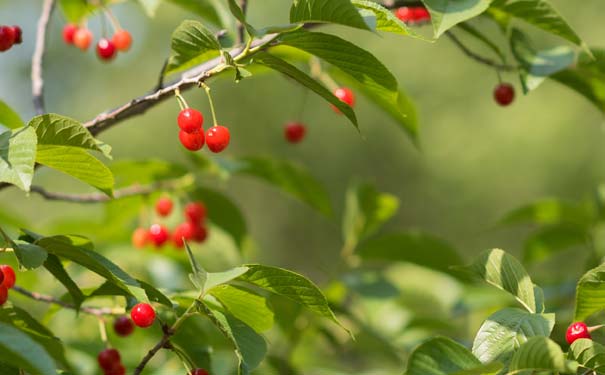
pixel 140 238
pixel 143 315
pixel 69 32
pixel 158 234
pixel 195 212
pixel 504 94
pixel 7 37
pixel 82 38
pixel 420 14
pixel 1 277
pixel 9 275
pixel 106 50
pixel 184 231
pixel 118 370
pixel 190 120
pixel 163 206
pixel 295 132
pixel 199 371
pixel 122 40
pixel 576 331
pixel 108 359
pixel 217 138
pixel 200 234
pixel 18 35
pixel 192 141
pixel 405 14
pixel 346 96
pixel 123 326
pixel 3 294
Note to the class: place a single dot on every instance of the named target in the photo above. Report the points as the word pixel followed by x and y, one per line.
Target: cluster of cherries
pixel 192 136
pixel 7 281
pixel 193 229
pixel 413 15
pixel 107 49
pixel 9 36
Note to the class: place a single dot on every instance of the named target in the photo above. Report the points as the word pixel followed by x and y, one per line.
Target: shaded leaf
pixel 21 351
pixel 328 11
pixel 541 354
pixel 447 13
pixel 191 43
pixel 246 306
pixel 9 118
pixel 17 157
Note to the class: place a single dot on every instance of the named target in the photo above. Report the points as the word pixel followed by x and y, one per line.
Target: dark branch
pixel 163 343
pixel 481 59
pixel 37 81
pixel 241 29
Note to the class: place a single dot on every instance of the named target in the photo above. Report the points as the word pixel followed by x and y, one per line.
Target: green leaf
pixel 30 256
pixel 412 246
pixel 150 6
pixel 246 306
pixel 199 276
pixel 17 157
pixel 20 350
pixel 549 211
pixel 327 11
pixel 447 13
pixel 443 356
pixel 506 330
pixel 191 339
pixel 212 11
pixel 241 17
pixel 78 163
pixel 301 77
pixel 542 14
pixel 587 77
pixel 590 293
pixel 250 347
pixel 290 285
pixel 377 81
pixel 366 211
pixel 540 354
pixel 589 354
pixel 76 10
pixel 191 43
pixel 502 270
pixel 55 267
pixel 385 19
pixel 9 118
pixel 549 240
pixel 217 278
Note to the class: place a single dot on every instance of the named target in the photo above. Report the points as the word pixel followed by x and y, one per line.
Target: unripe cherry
pixel 140 238
pixel 122 40
pixel 143 315
pixel 217 138
pixel 83 38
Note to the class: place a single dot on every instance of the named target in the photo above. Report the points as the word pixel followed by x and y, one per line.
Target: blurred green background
pixel 476 161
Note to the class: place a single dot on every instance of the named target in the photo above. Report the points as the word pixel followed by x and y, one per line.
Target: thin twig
pixel 163 343
pixel 481 59
pixel 160 84
pixel 37 81
pixel 241 29
pixel 97 311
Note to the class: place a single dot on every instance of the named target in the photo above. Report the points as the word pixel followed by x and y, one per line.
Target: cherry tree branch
pixel 37 58
pixel 164 343
pixel 97 311
pixel 241 29
pixel 480 59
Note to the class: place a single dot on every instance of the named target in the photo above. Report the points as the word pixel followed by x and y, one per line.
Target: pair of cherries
pixel 107 49
pixel 9 36
pixel 192 136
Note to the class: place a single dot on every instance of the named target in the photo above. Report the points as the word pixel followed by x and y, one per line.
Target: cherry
pixel 217 138
pixel 295 132
pixel 158 234
pixel 190 120
pixel 140 238
pixel 405 14
pixel 163 206
pixel 192 141
pixel 185 231
pixel 18 35
pixel 1 277
pixel 504 94
pixel 195 212
pixel 575 331
pixel 118 370
pixel 7 37
pixel 122 40
pixel 106 50
pixel 109 359
pixel 143 315
pixel 9 275
pixel 3 294
pixel 200 233
pixel 199 371
pixel 83 38
pixel 420 14
pixel 346 96
pixel 123 326
pixel 69 32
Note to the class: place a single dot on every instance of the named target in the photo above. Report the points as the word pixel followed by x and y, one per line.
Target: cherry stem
pixel 112 19
pixel 318 73
pixel 207 89
pixel 594 328
pixel 182 102
pixel 103 331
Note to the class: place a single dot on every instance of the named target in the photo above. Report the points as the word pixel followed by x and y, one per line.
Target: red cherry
pixel 3 294
pixel 69 32
pixel 199 371
pixel 82 38
pixel 575 331
pixel 163 206
pixel 504 94
pixel 192 141
pixel 217 138
pixel 109 359
pixel 7 37
pixel 158 234
pixel 123 326
pixel 200 234
pixel 122 40
pixel 118 370
pixel 195 212
pixel 18 34
pixel 143 315
pixel 140 238
pixel 405 14
pixel 346 96
pixel 9 275
pixel 420 14
pixel 106 50
pixel 295 132
pixel 1 277
pixel 184 231
pixel 190 120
